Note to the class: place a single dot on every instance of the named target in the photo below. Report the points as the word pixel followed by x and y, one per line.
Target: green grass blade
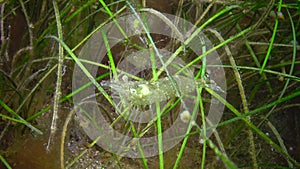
pixel 7 108
pixel 159 136
pixel 184 142
pixel 77 12
pixel 215 48
pixel 272 40
pixel 260 109
pixel 295 78
pixel 35 88
pixel 257 130
pixel 110 57
pixel 11 119
pixel 194 34
pixel 69 96
pixel 86 72
pixel 114 20
pixel 5 162
pixel 135 134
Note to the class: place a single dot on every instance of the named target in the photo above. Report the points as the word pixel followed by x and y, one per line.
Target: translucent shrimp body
pixel 146 93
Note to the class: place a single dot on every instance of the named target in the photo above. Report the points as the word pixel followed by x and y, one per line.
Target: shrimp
pixel 144 93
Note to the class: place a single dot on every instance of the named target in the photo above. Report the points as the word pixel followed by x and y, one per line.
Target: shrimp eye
pixel 132 91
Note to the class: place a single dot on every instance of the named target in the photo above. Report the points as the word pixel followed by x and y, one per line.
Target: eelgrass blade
pixel 184 142
pixel 199 101
pixel 69 96
pixel 86 72
pixel 243 97
pixel 5 162
pixel 7 108
pixel 255 59
pixel 159 136
pixel 98 27
pixel 110 57
pixel 114 19
pixel 11 119
pixel 258 110
pixel 292 64
pixel 272 40
pixel 59 77
pixel 29 95
pixel 257 130
pixel 214 48
pixel 193 35
pixel 222 156
pixel 135 134
pixel 295 78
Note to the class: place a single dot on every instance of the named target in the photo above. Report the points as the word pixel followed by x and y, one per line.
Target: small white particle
pixel 185 116
pixel 280 15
